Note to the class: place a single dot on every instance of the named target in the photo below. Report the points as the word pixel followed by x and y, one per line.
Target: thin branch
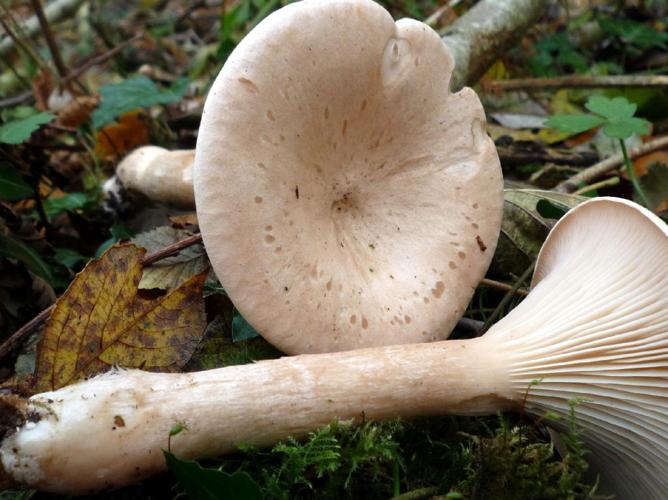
pixel 102 58
pixel 580 81
pixel 54 12
pixel 482 35
pixel 9 344
pixel 613 181
pixel 16 100
pixel 173 249
pixel 507 298
pixel 504 287
pixel 48 35
pixel 592 173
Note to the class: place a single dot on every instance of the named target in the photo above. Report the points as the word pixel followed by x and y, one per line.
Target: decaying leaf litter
pixel 55 219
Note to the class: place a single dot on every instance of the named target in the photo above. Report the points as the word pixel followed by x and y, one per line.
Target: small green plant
pixel 616 117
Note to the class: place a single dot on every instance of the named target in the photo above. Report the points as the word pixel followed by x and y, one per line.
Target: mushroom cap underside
pixel 593 333
pixel 346 198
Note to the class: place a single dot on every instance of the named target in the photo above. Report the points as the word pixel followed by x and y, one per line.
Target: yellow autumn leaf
pixel 101 321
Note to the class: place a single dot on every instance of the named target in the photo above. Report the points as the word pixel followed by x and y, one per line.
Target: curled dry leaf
pixel 100 322
pixel 523 230
pixel 172 271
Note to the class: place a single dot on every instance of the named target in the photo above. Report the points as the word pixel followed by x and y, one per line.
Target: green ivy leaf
pixel 12 185
pixel 139 92
pixel 211 484
pixel 241 329
pixel 15 249
pixel 17 131
pixel 574 123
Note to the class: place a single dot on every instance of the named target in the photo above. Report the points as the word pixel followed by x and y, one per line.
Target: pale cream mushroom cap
pixel 346 198
pixel 162 176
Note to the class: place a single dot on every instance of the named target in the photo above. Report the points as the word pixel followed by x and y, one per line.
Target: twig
pixel 592 173
pixel 15 100
pixel 48 35
pixel 613 181
pixel 506 299
pixel 580 81
pixel 172 249
pixel 482 35
pixel 433 19
pixel 504 286
pixel 54 12
pixel 522 153
pixel 102 58
pixel 18 42
pixel 9 344
pixel 418 494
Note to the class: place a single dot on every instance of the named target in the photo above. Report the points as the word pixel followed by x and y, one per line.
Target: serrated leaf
pixel 241 329
pixel 172 271
pixel 133 93
pixel 613 109
pixel 17 131
pixel 211 484
pixel 574 123
pixel 101 321
pixel 12 185
pixel 15 249
pixel 523 229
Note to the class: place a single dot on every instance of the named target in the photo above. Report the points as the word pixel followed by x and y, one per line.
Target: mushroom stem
pixel 594 327
pixel 109 431
pixel 162 176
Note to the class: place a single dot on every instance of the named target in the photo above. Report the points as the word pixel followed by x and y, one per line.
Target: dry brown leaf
pixel 42 86
pixel 77 111
pixel 173 271
pixel 119 138
pixel 100 322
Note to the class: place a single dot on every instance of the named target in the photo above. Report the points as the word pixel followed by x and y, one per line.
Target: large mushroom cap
pixel 346 198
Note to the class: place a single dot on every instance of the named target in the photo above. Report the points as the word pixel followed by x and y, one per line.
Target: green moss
pixel 472 458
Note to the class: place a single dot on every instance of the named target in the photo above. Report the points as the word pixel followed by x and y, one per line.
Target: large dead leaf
pixel 100 322
pixel 523 230
pixel 172 271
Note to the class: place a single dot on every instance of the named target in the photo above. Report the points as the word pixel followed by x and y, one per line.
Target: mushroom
pixel 341 188
pixel 594 326
pixel 161 175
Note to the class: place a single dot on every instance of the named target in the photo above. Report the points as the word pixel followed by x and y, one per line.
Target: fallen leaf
pixel 172 271
pixel 77 111
pixel 101 321
pixel 119 138
pixel 642 164
pixel 655 186
pixel 42 86
pixel 523 229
